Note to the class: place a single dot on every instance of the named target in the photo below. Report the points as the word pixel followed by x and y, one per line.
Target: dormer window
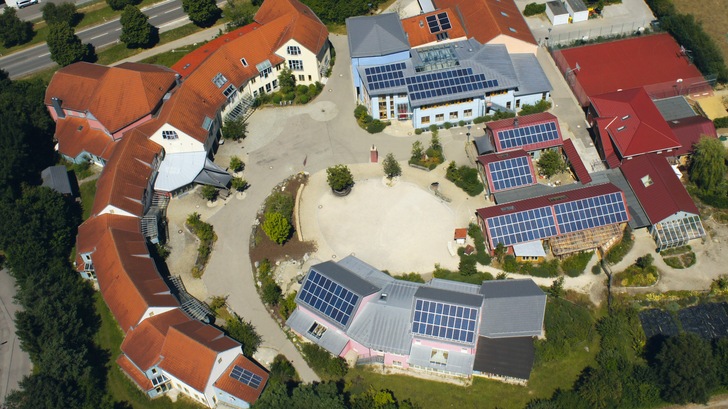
pixel 646 181
pixel 626 117
pixel 621 128
pixel 230 91
pixel 294 50
pixel 244 62
pixel 207 123
pixel 219 80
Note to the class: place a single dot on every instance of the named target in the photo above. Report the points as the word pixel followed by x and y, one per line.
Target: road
pixel 33 13
pixel 165 16
pixel 14 363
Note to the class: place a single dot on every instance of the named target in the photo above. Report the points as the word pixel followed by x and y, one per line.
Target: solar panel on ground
pixel 385 76
pixel 591 212
pixel 658 322
pixel 445 321
pixel 328 297
pixel 510 173
pixel 448 82
pixel 709 321
pixel 245 376
pixel 520 227
pixel 526 135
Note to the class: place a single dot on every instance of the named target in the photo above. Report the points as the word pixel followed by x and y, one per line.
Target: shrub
pixel 447 125
pixel 360 112
pixel 276 227
pixel 480 119
pixel 302 90
pixel 413 277
pixel 282 371
pixel 303 99
pixel 245 333
pixel 434 128
pixel 567 325
pixel 575 264
pixel 209 192
pixel 546 269
pixel 619 250
pixel 418 131
pixel 339 177
pixel 534 8
pixel 282 203
pixel 239 184
pixel 271 292
pixel 481 254
pixel 541 106
pixel 326 366
pixel 596 269
pixel 376 126
pixel 277 98
pixel 236 165
pixel 288 305
pixel 468 265
pixel 461 123
pixel 510 264
pixel 446 274
pixel 290 96
pixel 465 178
pixel 721 122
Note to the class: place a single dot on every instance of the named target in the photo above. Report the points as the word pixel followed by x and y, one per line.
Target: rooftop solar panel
pixel 445 321
pixel 510 173
pixel 328 297
pixel 385 76
pixel 439 22
pixel 520 227
pixel 591 212
pixel 526 135
pixel 446 83
pixel 245 376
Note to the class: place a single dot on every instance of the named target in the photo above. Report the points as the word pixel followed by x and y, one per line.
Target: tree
pixel 209 192
pixel 64 12
pixel 644 261
pixel 235 129
pixel 240 13
pixel 203 13
pixel 467 266
pixel 121 4
pixel 686 369
pixel 339 177
pixel 65 47
pixel 391 166
pixel 707 165
pixel 287 81
pixel 556 289
pixel 551 163
pixel 243 332
pixel 271 292
pixel 500 251
pixel 13 30
pixel 239 184
pixel 417 152
pixel 236 165
pixel 276 227
pixel 720 354
pixel 435 141
pixel 136 32
pixel 282 370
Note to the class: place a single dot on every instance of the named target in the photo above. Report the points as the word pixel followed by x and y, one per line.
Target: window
pixel 454 115
pixel 275 83
pixel 267 87
pixel 244 62
pixel 154 371
pixel 230 91
pixel 425 120
pixel 508 105
pixel 442 36
pixel 518 103
pixel 295 65
pixel 317 330
pixel 261 90
pixel 219 360
pixel 294 50
pixel 219 80
pixel 252 80
pixel 207 123
pixel 278 67
pixel 309 78
pixel 169 135
pixel 396 363
pixel 543 96
pixel 439 117
pixel 302 77
pixel 512 29
pixel 255 94
pixel 468 113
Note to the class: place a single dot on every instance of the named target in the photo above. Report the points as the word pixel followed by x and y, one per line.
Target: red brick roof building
pixel 419 34
pixel 502 132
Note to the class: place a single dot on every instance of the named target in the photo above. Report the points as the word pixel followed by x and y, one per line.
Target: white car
pixel 25 3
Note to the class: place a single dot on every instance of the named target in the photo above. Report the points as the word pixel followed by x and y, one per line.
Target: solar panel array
pixel 446 83
pixel 521 227
pixel 526 135
pixel 329 298
pixel 245 376
pixel 591 212
pixel 439 22
pixel 385 76
pixel 446 321
pixel 510 173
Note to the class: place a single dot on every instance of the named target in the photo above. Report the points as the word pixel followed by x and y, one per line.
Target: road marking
pixel 174 22
pixel 43 55
pixel 100 35
pixel 169 11
pixel 118 29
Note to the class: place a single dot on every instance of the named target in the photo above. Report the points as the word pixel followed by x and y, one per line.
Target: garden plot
pixel 706 320
pixel 658 322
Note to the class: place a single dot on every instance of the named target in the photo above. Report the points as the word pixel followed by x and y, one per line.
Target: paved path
pixel 14 362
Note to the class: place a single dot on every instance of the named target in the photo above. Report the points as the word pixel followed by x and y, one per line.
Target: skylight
pixel 219 80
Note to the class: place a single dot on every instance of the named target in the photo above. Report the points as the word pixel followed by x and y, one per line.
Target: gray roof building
pixel 512 308
pixel 531 78
pixel 56 178
pixel 674 108
pixel 507 357
pixel 375 36
pixel 331 340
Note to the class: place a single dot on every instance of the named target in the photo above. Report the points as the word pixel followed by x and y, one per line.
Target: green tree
pixel 435 142
pixel 239 184
pixel 707 165
pixel 209 192
pixel 417 152
pixel 551 163
pixel 720 353
pixel 64 12
pixel 276 227
pixel 65 47
pixel 287 81
pixel 391 166
pixel 203 13
pixel 282 371
pixel 288 305
pixel 339 177
pixel 686 369
pixel 236 165
pixel 280 202
pixel 121 4
pixel 136 32
pixel 326 366
pixel 240 13
pixel 500 251
pixel 13 30
pixel 467 266
pixel 271 292
pixel 243 332
pixel 235 129
pixel 556 289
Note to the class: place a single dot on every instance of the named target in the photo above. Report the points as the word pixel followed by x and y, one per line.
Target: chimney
pixel 57 107
pixel 515 122
pixel 422 23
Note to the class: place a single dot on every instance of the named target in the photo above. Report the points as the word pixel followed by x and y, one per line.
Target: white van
pixel 24 3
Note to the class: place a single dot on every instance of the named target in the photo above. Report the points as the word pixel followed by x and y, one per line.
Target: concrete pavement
pixel 14 362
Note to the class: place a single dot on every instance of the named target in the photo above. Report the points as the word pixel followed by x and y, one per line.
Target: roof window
pixel 207 123
pixel 504 14
pixel 512 29
pixel 244 62
pixel 626 117
pixel 646 180
pixel 621 128
pixel 219 80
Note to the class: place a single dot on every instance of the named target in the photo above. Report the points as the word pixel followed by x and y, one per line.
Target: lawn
pixel 88 192
pixel 169 58
pixel 118 386
pixel 714 16
pixel 118 52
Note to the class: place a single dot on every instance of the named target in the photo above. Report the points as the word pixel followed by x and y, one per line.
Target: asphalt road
pixel 14 363
pixel 33 12
pixel 164 16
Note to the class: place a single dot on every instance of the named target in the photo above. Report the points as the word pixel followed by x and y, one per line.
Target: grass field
pixel 88 192
pixel 118 52
pixel 714 16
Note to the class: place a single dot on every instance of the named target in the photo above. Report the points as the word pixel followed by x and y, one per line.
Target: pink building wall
pixel 445 346
pixel 146 118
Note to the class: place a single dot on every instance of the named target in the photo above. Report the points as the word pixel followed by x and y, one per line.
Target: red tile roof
pixel 487 19
pixel 128 278
pixel 237 388
pixel 606 143
pixel 116 96
pixel 541 118
pixel 418 31
pixel 301 22
pixel 688 132
pixel 143 344
pixel 126 175
pixel 190 350
pixel 75 135
pixel 91 230
pixel 497 157
pixel 661 194
pixel 134 373
pixel 581 173
pixel 630 63
pixel 461 234
pixel 635 124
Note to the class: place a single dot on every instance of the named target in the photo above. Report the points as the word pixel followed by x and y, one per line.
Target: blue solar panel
pixel 591 212
pixel 510 173
pixel 385 76
pixel 439 22
pixel 329 298
pixel 526 135
pixel 245 376
pixel 446 83
pixel 521 227
pixel 445 321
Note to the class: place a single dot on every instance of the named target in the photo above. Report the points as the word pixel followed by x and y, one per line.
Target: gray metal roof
pixel 366 271
pixel 510 288
pixel 483 145
pixel 346 278
pixel 373 36
pixel 531 78
pixel 577 5
pixel 56 178
pixel 213 175
pixel 509 357
pixel 557 7
pixel 331 340
pixel 454 286
pixel 528 192
pixel 457 362
pixel 512 308
pixel 448 296
pixel 674 108
pixel 638 217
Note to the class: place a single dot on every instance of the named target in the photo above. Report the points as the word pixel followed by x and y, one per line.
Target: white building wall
pixel 183 143
pixel 110 209
pixel 152 311
pixel 223 360
pixel 313 69
pixel 423 118
pixel 189 391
